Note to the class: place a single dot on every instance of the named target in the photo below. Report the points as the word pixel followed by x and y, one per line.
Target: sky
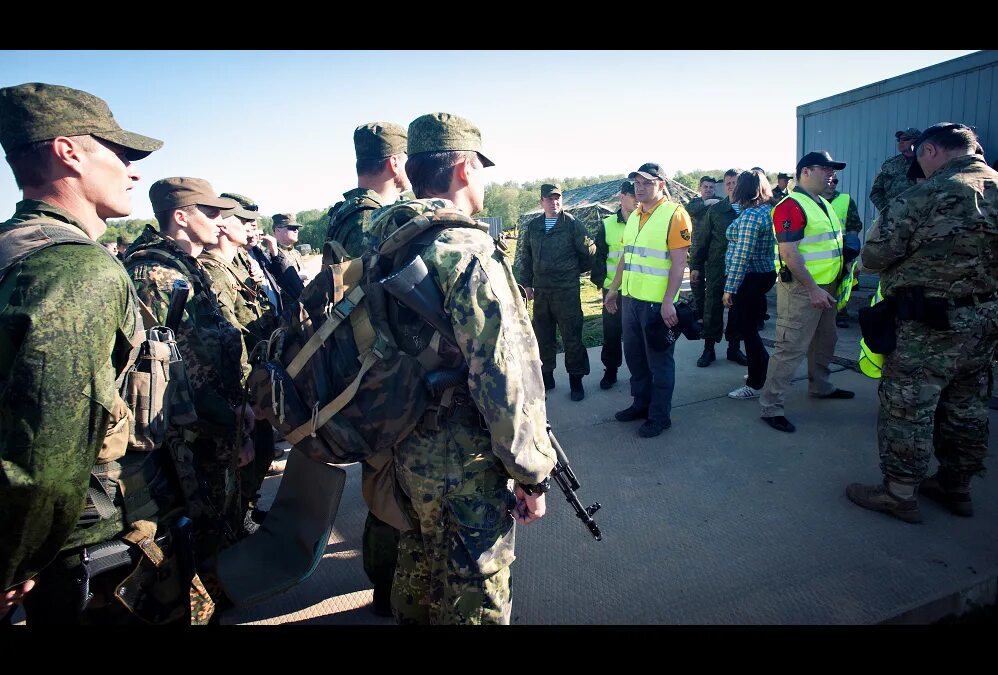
pixel 277 126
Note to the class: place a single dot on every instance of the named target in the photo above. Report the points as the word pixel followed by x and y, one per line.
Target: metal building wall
pixel 857 127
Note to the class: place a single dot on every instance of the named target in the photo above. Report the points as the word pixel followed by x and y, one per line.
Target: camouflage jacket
pixel 697 209
pixel 493 331
pixel 67 319
pixel 237 300
pixel 941 234
pixel 710 239
pixel 292 255
pixel 212 348
pixel 350 218
pixel 891 181
pixel 557 258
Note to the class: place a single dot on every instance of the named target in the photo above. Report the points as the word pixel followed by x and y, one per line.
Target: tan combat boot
pixel 897 499
pixel 950 489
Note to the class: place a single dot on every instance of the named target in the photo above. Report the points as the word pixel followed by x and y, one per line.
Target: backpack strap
pixel 22 240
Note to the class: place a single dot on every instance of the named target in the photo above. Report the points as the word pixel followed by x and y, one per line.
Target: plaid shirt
pixel 750 245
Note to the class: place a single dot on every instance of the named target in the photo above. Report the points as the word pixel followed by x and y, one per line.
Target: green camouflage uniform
pixel 891 181
pixel 293 256
pixel 941 235
pixel 214 355
pixel 350 218
pixel 551 263
pixel 453 566
pixel 697 210
pixel 710 243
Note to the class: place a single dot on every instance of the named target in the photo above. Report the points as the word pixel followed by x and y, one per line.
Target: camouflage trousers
pixel 218 523
pixel 934 395
pixel 713 311
pixel 561 309
pixel 453 566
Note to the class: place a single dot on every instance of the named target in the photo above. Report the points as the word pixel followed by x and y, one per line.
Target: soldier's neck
pixel 68 200
pixel 387 191
pixel 225 249
pixel 180 238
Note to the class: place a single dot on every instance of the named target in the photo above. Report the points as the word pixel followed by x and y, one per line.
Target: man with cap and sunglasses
pixel 554 249
pixel 781 189
pixel 609 245
pixel 189 214
pixel 286 228
pixel 808 268
pixel 453 565
pixel 381 180
pixel 69 322
pixel 650 272
pixel 893 179
pixel 936 249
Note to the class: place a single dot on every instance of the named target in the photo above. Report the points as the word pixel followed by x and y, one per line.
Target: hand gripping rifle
pixel 413 288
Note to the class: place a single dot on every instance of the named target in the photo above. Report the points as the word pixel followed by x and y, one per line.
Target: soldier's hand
pixel 610 302
pixel 256 275
pixel 15 596
pixel 247 453
pixel 820 298
pixel 269 242
pixel 694 276
pixel 669 315
pixel 528 507
pixel 529 290
pixel 729 300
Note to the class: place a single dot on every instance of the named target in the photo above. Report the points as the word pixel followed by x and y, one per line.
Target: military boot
pixel 950 489
pixel 575 384
pixel 609 378
pixel 548 379
pixel 897 499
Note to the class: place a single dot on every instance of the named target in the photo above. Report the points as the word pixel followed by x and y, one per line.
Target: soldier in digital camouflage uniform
pixel 68 324
pixel 781 189
pixel 893 179
pixel 189 216
pixel 551 261
pixel 697 208
pixel 244 304
pixel 381 179
pixel 453 566
pixel 938 238
pixel 286 229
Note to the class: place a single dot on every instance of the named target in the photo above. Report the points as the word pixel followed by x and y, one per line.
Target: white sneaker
pixel 745 392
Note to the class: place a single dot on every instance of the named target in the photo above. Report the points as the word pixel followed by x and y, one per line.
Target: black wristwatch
pixel 541 487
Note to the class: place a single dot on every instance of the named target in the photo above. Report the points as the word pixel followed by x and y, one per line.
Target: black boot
pixel 708 356
pixel 609 379
pixel 575 383
pixel 548 380
pixel 735 354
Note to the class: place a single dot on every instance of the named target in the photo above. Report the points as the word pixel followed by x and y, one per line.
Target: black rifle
pixel 413 288
pixel 178 300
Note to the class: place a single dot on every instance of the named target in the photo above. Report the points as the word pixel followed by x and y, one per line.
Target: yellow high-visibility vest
pixel 614 234
pixel 821 246
pixel 647 259
pixel 871 363
pixel 841 206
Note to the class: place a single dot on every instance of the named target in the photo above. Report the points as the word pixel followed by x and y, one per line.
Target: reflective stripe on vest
pixel 821 247
pixel 646 259
pixel 849 281
pixel 841 206
pixel 871 364
pixel 614 234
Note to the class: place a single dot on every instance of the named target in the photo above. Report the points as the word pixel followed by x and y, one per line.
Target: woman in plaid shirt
pixel 751 273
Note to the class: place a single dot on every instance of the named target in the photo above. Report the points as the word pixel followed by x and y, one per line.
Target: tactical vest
pixel 647 259
pixel 614 234
pixel 841 207
pixel 870 363
pixel 821 247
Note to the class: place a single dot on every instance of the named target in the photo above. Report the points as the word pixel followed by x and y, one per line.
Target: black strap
pixel 973 299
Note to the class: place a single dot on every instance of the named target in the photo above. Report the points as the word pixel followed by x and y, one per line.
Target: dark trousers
pixel 653 373
pixel 713 312
pixel 750 306
pixel 253 474
pixel 560 308
pixel 612 353
pixel 699 288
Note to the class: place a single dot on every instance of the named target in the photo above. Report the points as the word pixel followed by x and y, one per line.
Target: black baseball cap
pixel 627 188
pixel 649 170
pixel 819 159
pixel 784 176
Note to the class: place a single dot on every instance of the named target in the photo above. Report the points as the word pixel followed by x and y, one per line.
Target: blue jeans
pixel 653 373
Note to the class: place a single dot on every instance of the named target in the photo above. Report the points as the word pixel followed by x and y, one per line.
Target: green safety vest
pixel 614 234
pixel 821 246
pixel 841 207
pixel 870 362
pixel 647 259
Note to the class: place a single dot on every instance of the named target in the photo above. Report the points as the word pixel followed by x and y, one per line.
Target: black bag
pixel 878 323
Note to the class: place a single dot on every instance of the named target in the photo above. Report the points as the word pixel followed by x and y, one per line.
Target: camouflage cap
pixel 549 189
pixel 909 134
pixel 245 208
pixel 378 140
pixel 285 220
pixel 440 132
pixel 168 194
pixel 39 112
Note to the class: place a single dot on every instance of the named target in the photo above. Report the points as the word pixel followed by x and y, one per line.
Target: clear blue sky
pixel 278 126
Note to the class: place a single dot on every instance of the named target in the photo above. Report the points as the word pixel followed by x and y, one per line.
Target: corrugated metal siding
pixel 857 127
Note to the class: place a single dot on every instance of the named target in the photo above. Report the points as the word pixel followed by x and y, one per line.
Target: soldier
pixel 453 566
pixel 649 275
pixel 122 244
pixel 69 324
pixel 782 187
pixel 848 213
pixel 555 250
pixel 934 248
pixel 893 177
pixel 245 305
pixel 697 208
pixel 286 233
pixel 710 242
pixel 809 251
pixel 189 217
pixel 609 244
pixel 381 179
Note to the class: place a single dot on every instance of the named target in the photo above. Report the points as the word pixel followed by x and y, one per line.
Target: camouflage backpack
pixel 347 380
